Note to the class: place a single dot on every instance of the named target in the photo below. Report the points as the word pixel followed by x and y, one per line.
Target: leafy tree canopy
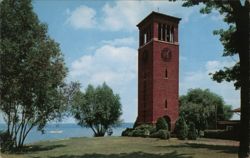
pixel 203 108
pixel 98 108
pixel 32 73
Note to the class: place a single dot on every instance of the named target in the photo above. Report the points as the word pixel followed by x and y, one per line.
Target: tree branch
pixel 222 5
pixel 93 129
pixel 25 135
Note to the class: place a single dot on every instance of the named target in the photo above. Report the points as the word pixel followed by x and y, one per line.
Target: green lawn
pixel 129 147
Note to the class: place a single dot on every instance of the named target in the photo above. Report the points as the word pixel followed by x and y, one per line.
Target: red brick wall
pixel 145 68
pixel 165 88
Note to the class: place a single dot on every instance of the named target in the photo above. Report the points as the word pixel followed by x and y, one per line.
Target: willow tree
pixel 98 108
pixel 236 41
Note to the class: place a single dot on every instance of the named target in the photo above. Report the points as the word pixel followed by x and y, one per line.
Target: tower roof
pixel 158 15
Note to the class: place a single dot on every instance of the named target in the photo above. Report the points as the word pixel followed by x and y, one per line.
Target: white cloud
pixel 215 65
pixel 82 17
pixel 201 79
pixel 214 15
pixel 127 41
pixel 121 15
pixel 125 15
pixel 115 65
pixel 105 63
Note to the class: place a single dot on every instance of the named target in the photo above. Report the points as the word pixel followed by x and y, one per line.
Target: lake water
pixel 63 131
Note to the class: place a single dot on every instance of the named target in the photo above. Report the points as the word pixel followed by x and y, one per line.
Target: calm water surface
pixel 63 131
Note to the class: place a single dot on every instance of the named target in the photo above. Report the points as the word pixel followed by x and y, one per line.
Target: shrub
pixel 181 129
pixel 6 142
pixel 143 130
pixel 127 132
pixel 162 134
pixel 161 124
pixel 140 133
pixel 146 127
pixel 192 134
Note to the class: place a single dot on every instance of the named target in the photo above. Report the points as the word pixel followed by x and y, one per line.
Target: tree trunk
pixel 245 110
pixel 244 53
pixel 100 134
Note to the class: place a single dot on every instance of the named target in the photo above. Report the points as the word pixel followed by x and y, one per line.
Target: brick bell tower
pixel 158 78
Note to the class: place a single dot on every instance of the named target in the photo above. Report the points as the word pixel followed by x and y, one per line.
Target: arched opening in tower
pixel 167 118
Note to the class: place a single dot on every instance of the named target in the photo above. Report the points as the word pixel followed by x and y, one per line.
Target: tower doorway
pixel 168 120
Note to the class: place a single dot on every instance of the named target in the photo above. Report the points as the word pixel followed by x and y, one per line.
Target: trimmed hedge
pixel 147 130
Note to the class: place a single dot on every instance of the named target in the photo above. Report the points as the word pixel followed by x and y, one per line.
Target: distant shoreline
pixel 55 131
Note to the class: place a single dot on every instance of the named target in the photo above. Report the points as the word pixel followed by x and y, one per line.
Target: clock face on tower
pixel 166 54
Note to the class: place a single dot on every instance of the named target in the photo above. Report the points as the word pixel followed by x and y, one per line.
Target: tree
pixel 98 108
pixel 192 135
pixel 181 128
pixel 32 71
pixel 195 113
pixel 203 108
pixel 235 40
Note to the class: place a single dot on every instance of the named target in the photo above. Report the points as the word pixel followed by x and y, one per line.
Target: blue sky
pixel 99 40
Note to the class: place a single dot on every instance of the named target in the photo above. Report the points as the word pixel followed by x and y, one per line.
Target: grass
pixel 129 147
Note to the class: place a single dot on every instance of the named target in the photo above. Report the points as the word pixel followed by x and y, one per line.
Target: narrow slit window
pixel 144 75
pixel 166 104
pixel 166 73
pixel 144 94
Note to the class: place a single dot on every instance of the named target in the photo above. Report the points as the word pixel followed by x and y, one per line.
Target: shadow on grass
pixel 220 148
pixel 173 154
pixel 38 148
